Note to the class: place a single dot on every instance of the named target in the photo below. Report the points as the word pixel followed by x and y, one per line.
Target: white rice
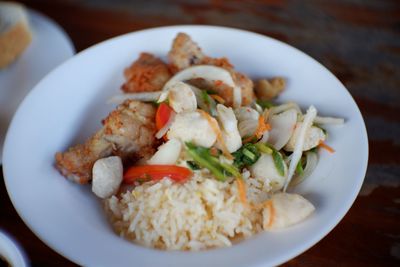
pixel 198 214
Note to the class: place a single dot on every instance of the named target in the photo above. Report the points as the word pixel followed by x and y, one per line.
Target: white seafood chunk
pixel 313 136
pixel 107 176
pixel 230 132
pixel 167 153
pixel 247 120
pixel 181 98
pixel 264 169
pixel 282 127
pixel 192 127
pixel 284 210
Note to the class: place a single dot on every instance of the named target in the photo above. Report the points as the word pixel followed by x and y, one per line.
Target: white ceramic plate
pixel 66 107
pixel 49 47
pixel 11 251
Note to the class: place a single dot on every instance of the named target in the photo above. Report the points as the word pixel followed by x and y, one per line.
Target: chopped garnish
pixel 202 156
pixel 210 105
pixel 247 155
pixel 299 168
pixel 242 190
pixel 264 148
pixel 264 103
pixel 278 161
pixel 326 147
pixel 262 127
pixel 193 165
pixel 218 98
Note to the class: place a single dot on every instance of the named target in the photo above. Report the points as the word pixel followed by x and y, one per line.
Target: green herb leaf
pixel 279 164
pixel 201 156
pixel 193 165
pixel 264 103
pixel 247 155
pixel 211 105
pixel 264 148
pixel 299 168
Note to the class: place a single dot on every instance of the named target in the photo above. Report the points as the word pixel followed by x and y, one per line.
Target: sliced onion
pixel 265 136
pixel 298 147
pixel 284 107
pixel 311 163
pixel 282 128
pixel 210 73
pixel 144 96
pixel 166 127
pixel 328 120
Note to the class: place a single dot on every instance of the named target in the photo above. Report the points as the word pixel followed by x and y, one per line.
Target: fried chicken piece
pixel 128 131
pixel 185 53
pixel 269 89
pixel 147 74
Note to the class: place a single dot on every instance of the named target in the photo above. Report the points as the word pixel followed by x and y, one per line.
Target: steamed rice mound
pixel 198 214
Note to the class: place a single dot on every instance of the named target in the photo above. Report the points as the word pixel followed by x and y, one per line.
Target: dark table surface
pixel 359 41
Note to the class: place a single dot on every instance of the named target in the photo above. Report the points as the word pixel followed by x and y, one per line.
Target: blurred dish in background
pixel 49 47
pixel 11 253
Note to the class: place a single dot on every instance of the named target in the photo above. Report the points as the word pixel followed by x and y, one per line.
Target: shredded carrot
pixel 213 151
pixel 218 82
pixel 268 204
pixel 325 146
pixel 218 98
pixel 261 128
pixel 242 190
pixel 214 125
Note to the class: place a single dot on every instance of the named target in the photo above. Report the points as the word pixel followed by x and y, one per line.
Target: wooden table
pixel 359 43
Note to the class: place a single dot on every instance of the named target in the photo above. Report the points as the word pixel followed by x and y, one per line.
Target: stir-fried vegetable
pixel 298 148
pixel 202 157
pixel 264 103
pixel 299 168
pixel 264 148
pixel 156 172
pixel 311 161
pixel 162 115
pixel 247 155
pixel 193 165
pixel 209 103
pixel 326 147
pixel 279 164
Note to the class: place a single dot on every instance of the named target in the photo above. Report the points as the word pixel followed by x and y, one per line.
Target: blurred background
pixel 359 41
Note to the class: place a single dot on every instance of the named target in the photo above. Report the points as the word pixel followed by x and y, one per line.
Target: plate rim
pixel 284 257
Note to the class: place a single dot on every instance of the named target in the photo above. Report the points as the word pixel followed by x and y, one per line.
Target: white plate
pixel 11 251
pixel 49 47
pixel 67 106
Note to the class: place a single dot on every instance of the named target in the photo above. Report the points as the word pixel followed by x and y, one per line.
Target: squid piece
pixel 247 121
pixel 265 170
pixel 192 127
pixel 284 210
pixel 127 132
pixel 314 136
pixel 182 98
pixel 230 133
pixel 282 125
pixel 107 176
pixel 147 74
